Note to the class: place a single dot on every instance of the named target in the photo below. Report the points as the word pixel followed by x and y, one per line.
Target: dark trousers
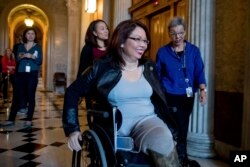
pixel 25 85
pixel 184 106
pixel 7 80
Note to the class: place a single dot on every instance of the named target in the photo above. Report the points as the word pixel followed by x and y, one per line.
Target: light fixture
pixel 90 6
pixel 28 22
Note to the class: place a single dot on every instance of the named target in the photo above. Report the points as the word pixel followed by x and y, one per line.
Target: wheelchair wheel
pixel 92 153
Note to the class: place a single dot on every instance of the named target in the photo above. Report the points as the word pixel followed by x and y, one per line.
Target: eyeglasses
pixel 137 40
pixel 180 34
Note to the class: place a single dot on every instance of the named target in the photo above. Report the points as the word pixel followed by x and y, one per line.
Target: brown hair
pixel 25 32
pixel 12 56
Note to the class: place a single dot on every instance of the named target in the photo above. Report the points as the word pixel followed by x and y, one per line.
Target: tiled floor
pixel 45 144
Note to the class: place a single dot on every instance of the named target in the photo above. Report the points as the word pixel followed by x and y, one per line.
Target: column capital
pixel 73 7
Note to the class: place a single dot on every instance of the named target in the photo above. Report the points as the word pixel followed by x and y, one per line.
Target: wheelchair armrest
pixel 98 113
pixel 124 143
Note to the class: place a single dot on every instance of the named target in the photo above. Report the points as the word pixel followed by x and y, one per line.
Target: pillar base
pixel 200 145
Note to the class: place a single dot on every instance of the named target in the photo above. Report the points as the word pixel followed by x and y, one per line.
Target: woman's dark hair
pixel 90 38
pixel 120 35
pixel 25 32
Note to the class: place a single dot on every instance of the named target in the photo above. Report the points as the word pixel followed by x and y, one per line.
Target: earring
pixel 122 45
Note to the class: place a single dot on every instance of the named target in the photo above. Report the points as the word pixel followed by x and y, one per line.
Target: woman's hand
pixel 30 56
pixel 73 141
pixel 203 97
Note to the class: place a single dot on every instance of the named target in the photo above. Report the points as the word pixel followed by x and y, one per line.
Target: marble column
pixel 73 38
pixel 201 33
pixel 121 11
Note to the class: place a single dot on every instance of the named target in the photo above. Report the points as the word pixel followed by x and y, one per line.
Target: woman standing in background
pixel 96 41
pixel 8 70
pixel 29 60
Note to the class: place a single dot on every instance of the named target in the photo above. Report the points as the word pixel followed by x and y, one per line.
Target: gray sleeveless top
pixel 133 100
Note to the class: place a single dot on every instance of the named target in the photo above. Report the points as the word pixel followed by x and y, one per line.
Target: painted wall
pixel 231 51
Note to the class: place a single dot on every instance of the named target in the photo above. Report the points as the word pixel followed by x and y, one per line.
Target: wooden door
pixel 158 32
pixel 156 16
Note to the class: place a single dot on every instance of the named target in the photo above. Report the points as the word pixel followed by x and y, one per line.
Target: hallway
pixel 45 144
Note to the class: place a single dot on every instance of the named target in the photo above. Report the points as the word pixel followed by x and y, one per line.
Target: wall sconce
pixel 28 22
pixel 90 6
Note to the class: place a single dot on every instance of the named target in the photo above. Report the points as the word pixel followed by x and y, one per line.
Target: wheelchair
pixel 102 147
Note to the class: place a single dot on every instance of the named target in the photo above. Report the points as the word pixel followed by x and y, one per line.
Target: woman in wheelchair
pixel 125 79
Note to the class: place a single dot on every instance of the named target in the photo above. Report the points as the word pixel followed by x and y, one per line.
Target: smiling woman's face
pixel 101 31
pixel 136 44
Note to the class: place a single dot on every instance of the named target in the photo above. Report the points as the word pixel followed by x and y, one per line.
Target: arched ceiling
pixel 16 18
pixel 19 13
pixel 27 10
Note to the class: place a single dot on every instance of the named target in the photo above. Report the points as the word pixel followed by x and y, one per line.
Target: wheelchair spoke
pixel 92 153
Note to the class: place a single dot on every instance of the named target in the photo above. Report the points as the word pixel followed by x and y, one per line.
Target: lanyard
pixel 184 69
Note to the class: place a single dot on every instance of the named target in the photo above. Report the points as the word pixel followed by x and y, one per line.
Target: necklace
pixel 132 66
pixel 130 69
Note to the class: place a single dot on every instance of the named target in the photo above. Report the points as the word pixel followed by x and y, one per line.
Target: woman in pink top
pixel 8 71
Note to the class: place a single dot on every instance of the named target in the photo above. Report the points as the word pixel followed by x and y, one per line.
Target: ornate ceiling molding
pixel 73 7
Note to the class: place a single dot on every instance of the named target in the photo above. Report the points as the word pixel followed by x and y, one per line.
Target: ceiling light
pixel 28 22
pixel 90 6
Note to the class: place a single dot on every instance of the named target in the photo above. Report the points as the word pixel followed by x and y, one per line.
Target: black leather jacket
pixel 99 80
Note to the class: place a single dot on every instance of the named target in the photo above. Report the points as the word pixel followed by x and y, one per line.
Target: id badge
pixel 27 68
pixel 189 92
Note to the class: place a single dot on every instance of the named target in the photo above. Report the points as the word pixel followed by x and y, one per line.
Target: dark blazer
pixel 86 58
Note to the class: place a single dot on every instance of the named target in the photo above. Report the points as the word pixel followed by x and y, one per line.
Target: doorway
pixel 16 26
